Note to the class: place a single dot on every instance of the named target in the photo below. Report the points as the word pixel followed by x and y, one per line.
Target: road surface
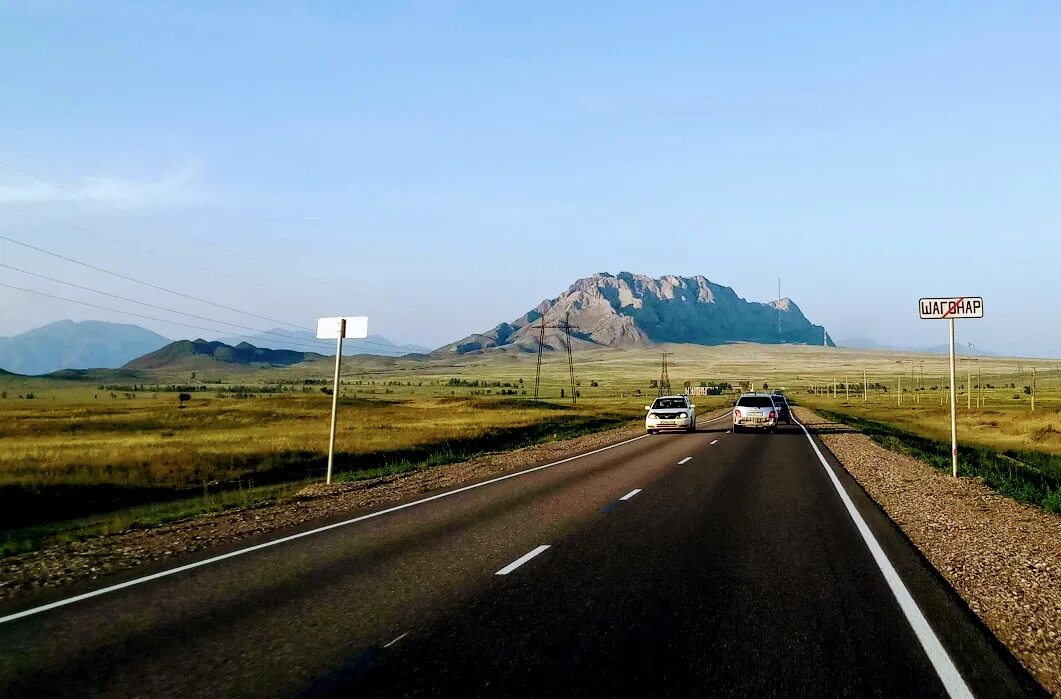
pixel 709 563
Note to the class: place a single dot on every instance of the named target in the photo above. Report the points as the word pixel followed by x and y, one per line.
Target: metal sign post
pixel 949 309
pixel 338 328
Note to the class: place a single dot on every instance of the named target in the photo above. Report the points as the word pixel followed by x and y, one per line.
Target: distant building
pixel 704 391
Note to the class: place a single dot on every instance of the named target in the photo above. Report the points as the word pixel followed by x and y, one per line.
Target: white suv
pixel 756 411
pixel 670 413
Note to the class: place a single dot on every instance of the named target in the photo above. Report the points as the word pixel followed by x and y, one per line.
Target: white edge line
pixel 396 640
pixel 292 537
pixel 522 559
pixel 631 494
pixel 937 655
pixel 685 460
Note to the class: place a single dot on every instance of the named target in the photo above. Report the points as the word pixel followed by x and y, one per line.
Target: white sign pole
pixel 953 408
pixel 335 396
pixel 948 309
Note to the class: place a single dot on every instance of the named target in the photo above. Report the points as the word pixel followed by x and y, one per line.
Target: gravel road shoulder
pixel 92 558
pixel 1003 557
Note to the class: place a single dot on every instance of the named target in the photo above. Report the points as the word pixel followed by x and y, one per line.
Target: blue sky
pixel 444 166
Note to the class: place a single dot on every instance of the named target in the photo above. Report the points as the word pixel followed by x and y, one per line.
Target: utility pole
pixel 847 389
pixel 968 387
pixel 541 346
pixel 664 378
pixel 899 389
pixel 567 328
pixel 865 388
pixel 779 310
pixel 570 360
pixel 1033 389
pixel 979 388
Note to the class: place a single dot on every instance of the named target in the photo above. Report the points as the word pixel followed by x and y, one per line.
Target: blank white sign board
pixel 356 327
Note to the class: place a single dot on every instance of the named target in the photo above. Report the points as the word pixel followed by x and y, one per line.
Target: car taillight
pixel 736 413
pixel 773 415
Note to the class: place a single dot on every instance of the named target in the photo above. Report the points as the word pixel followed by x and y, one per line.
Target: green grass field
pixel 99 451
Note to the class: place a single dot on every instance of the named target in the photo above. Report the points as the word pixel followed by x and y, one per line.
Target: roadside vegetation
pixel 86 453
pixel 1033 477
pixel 1001 440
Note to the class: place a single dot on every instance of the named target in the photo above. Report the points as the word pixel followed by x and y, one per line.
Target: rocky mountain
pixel 373 344
pixel 193 354
pixel 633 309
pixel 66 344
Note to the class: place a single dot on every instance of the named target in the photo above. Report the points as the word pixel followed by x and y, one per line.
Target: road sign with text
pixel 356 327
pixel 955 307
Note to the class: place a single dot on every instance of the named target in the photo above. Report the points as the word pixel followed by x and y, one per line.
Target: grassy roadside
pixel 351 467
pixel 1027 476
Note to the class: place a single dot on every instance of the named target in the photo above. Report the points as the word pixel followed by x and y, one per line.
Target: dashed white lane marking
pixel 521 560
pixel 686 459
pixel 714 442
pixel 631 494
pixel 396 640
pixel 728 431
pixel 293 537
pixel 937 654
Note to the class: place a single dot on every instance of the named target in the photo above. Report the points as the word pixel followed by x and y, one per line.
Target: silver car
pixel 755 411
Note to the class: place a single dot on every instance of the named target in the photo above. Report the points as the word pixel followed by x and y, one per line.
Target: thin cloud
pixel 174 188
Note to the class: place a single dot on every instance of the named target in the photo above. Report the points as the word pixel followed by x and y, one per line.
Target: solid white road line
pixel 713 442
pixel 396 640
pixel 631 494
pixel 521 560
pixel 685 460
pixel 292 537
pixel 937 655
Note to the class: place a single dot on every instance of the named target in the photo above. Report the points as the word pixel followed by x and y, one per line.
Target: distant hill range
pixel 200 354
pixel 373 344
pixel 66 344
pixel 866 343
pixel 627 310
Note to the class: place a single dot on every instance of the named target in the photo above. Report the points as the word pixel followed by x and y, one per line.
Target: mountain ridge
pixel 68 344
pixel 373 344
pixel 199 353
pixel 629 309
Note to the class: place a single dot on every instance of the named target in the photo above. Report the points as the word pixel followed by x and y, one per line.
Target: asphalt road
pixel 701 564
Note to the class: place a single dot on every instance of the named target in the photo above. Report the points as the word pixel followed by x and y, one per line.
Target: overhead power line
pixel 360 343
pixel 107 204
pixel 145 317
pixel 147 284
pixel 139 217
pixel 289 338
pixel 114 310
pixel 197 299
pixel 130 245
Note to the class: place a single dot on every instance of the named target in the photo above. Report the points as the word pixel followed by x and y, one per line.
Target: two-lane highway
pixel 709 563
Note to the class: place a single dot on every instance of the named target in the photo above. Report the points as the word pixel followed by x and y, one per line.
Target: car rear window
pixel 669 403
pixel 755 402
